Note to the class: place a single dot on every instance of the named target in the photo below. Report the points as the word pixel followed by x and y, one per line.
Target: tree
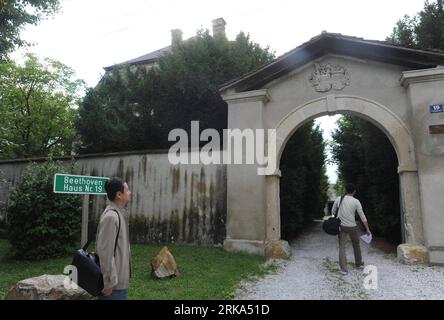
pixel 425 30
pixel 15 15
pixel 134 108
pixel 304 183
pixel 403 33
pixel 37 108
pixel 339 186
pixel 347 149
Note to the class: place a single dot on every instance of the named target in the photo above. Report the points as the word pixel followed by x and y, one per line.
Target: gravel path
pixel 313 273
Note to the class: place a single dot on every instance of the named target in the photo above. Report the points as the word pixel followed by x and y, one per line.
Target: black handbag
pixel 89 274
pixel 332 225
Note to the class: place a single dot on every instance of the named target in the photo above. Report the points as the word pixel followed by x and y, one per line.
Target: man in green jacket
pixel 112 243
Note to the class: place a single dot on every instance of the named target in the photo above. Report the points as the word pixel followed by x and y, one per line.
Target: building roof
pixel 335 43
pixel 145 59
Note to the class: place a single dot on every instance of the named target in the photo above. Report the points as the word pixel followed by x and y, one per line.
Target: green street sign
pixel 73 184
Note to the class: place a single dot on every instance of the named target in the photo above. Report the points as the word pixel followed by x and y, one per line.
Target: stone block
pixel 412 254
pixel 277 249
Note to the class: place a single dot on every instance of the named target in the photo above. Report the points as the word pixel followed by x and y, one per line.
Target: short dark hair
pixel 112 186
pixel 350 188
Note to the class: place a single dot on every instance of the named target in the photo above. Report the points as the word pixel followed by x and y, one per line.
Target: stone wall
pixel 170 203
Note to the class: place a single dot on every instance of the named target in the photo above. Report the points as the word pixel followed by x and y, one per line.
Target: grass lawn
pixel 206 273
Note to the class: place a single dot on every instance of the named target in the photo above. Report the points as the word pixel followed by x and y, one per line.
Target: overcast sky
pixel 88 35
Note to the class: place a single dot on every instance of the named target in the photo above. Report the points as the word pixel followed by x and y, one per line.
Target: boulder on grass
pixel 164 265
pixel 46 287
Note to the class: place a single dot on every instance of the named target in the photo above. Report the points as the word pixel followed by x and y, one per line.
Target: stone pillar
pixel 246 190
pixel 410 203
pixel 274 246
pixel 425 88
pixel 413 251
pixel 273 217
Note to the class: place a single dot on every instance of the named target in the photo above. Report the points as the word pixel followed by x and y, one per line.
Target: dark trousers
pixel 353 233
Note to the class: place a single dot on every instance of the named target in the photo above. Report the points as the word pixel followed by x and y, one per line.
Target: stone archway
pixel 395 88
pixel 383 118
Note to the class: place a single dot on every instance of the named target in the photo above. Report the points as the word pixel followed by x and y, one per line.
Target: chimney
pixel 219 26
pixel 176 37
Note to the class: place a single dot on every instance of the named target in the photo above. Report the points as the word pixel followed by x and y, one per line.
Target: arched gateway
pixel 397 89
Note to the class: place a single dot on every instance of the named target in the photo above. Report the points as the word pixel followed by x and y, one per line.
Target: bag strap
pixel 118 231
pixel 340 202
pixel 85 247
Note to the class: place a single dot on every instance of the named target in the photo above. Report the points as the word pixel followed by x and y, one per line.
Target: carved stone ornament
pixel 326 77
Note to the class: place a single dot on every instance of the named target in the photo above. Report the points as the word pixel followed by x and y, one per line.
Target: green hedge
pixel 304 184
pixel 42 224
pixel 367 158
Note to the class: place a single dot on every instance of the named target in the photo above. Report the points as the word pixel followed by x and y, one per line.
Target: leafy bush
pixel 42 224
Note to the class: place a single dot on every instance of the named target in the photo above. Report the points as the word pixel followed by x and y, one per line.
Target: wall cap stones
pixel 248 96
pixel 424 75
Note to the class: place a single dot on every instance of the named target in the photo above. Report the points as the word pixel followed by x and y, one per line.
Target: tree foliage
pixel 366 158
pixel 40 223
pixel 37 108
pixel 339 186
pixel 424 30
pixel 15 15
pixel 304 183
pixel 135 108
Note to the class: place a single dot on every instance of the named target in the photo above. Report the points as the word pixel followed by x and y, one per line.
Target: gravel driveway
pixel 313 273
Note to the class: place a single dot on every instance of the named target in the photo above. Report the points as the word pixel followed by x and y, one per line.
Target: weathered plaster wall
pixel 182 203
